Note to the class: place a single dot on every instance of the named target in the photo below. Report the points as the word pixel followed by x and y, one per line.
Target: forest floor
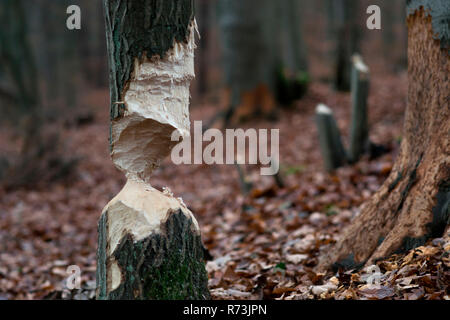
pixel 263 245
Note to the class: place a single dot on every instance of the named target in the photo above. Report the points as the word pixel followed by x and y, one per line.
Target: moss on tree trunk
pixel 167 265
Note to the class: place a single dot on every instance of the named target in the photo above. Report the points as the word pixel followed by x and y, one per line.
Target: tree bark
pixel 294 47
pixel 359 128
pixel 149 241
pixel 204 26
pixel 412 206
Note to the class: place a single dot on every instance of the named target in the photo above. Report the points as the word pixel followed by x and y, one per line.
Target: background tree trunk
pixel 249 60
pixel 16 54
pixel 294 48
pixel 413 204
pixel 333 152
pixel 359 127
pixel 203 15
pixel 263 54
pixel 343 30
pixel 149 241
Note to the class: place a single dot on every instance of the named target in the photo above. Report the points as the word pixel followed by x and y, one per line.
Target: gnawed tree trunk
pixel 413 204
pixel 149 242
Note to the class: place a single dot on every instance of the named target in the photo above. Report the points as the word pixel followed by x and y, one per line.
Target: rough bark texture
pixel 149 242
pixel 440 19
pixel 413 204
pixel 164 266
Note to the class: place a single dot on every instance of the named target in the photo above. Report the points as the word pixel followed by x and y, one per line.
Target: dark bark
pixel 344 31
pixel 292 48
pixel 333 152
pixel 263 55
pixel 164 266
pixel 135 29
pixel 204 24
pixel 248 45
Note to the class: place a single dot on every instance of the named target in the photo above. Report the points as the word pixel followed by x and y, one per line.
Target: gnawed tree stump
pixel 150 247
pixel 413 204
pixel 333 151
pixel 359 129
pixel 149 242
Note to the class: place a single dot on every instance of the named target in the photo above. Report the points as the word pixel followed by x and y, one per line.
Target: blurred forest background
pixel 49 74
pixel 55 171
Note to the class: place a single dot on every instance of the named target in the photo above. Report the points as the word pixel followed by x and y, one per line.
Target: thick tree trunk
pixel 149 242
pixel 413 204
